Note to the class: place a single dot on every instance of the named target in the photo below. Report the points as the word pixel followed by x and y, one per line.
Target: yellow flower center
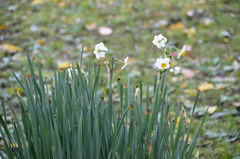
pixel 183 53
pixel 163 65
pixel 127 63
pixel 99 51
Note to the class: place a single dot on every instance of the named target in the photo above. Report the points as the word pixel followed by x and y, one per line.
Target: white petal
pixel 179 55
pixel 124 66
pixel 126 60
pixel 166 60
pixel 167 66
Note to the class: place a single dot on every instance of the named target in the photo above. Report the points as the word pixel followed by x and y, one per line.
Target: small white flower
pixel 176 70
pixel 182 52
pixel 100 50
pixel 126 62
pixel 159 40
pixel 162 63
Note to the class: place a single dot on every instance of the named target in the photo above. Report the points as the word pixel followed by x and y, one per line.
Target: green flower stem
pixel 173 47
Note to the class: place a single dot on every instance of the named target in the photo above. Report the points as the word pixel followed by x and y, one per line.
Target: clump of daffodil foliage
pixel 69 118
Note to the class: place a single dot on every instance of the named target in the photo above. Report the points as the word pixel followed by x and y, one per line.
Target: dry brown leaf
pixel 61 4
pixel 37 2
pixel 64 65
pixel 41 42
pixel 191 92
pixel 10 48
pixel 206 87
pixel 3 27
pixel 177 26
pixel 212 109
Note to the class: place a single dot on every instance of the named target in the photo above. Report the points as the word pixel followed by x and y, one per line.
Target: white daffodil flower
pixel 100 50
pixel 162 63
pixel 126 62
pixel 159 40
pixel 182 52
pixel 176 70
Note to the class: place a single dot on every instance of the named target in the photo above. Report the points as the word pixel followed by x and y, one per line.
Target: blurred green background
pixel 53 32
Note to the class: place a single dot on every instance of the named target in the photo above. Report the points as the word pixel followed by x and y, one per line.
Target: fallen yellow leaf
pixel 230 58
pixel 212 109
pixel 37 2
pixel 3 27
pixel 61 4
pixel 177 26
pixel 205 87
pixel 10 47
pixel 191 92
pixel 64 65
pixel 40 42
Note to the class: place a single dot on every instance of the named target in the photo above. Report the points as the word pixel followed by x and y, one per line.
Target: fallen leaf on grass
pixel 64 65
pixel 37 2
pixel 205 87
pixel 105 31
pixel 41 42
pixel 212 109
pixel 61 4
pixel 191 92
pixel 3 27
pixel 177 26
pixel 221 86
pixel 10 48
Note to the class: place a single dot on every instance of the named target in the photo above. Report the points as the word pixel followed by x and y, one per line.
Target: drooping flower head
pixel 159 40
pixel 126 63
pixel 175 70
pixel 162 63
pixel 182 52
pixel 100 50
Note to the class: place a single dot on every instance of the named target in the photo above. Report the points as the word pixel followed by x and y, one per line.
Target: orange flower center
pixel 163 65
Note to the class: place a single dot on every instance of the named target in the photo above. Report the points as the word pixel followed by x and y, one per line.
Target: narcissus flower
pixel 182 52
pixel 162 63
pixel 176 70
pixel 100 50
pixel 126 62
pixel 159 40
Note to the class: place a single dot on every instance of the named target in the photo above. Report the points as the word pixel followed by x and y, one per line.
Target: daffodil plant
pixel 68 117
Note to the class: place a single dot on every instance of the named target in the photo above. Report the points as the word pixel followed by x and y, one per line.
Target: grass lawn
pixel 53 32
